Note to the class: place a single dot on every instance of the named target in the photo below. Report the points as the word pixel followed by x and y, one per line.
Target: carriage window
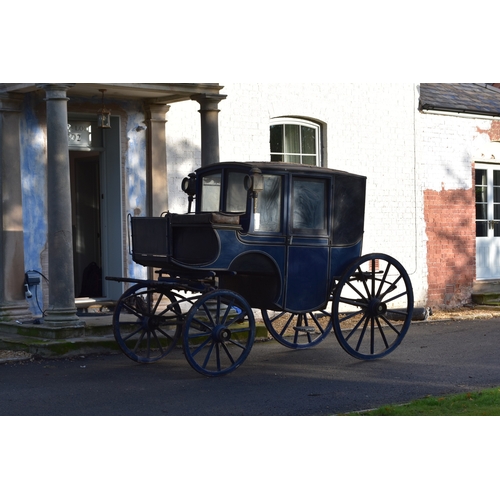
pixel 309 209
pixel 210 193
pixel 268 214
pixel 236 200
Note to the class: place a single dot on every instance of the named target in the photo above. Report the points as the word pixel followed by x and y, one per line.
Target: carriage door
pixel 487 221
pixel 307 269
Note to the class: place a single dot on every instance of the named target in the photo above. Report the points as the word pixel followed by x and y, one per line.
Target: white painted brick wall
pixel 447 146
pixel 370 131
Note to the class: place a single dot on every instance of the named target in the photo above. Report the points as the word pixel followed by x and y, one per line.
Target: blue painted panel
pixel 340 257
pixel 307 278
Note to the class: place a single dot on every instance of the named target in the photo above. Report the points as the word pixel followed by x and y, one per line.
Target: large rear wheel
pixel 372 306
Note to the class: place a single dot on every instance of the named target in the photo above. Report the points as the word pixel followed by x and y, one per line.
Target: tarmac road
pixel 435 358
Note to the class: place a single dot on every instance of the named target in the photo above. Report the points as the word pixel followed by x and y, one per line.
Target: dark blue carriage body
pixel 276 233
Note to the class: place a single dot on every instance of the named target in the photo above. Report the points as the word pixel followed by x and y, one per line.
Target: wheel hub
pixel 376 307
pixel 221 333
pixel 153 322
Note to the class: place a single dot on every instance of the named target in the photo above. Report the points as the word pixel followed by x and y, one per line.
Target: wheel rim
pixel 218 333
pixel 372 306
pixel 298 330
pixel 147 322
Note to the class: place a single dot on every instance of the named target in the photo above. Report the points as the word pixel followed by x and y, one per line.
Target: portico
pixel 155 100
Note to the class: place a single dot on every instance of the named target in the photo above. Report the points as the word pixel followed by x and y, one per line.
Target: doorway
pixel 86 196
pixel 487 221
pixel 96 202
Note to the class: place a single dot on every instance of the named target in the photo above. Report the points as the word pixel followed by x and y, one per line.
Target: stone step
pixel 486 292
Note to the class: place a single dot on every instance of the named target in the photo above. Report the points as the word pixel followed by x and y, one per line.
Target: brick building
pixel 459 159
pixel 418 144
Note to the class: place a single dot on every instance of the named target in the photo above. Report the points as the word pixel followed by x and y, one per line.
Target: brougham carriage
pixel 281 238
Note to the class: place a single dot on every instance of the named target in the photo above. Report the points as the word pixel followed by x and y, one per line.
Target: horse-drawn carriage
pixel 283 239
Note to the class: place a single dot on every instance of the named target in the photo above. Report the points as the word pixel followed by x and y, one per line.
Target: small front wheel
pixel 218 333
pixel 372 306
pixel 147 322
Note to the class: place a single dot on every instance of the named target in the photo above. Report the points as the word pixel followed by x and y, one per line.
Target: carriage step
pixel 304 329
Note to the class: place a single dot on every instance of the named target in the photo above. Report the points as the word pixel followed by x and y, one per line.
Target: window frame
pixel 301 122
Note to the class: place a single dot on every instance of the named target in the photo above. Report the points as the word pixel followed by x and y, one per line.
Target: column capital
pixel 208 102
pixel 156 112
pixel 55 90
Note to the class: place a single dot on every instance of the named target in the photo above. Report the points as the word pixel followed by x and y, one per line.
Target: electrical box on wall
pixel 32 278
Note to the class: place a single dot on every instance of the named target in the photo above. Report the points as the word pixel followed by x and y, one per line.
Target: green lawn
pixel 482 403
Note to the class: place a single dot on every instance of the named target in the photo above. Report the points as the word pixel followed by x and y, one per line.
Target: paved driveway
pixel 435 358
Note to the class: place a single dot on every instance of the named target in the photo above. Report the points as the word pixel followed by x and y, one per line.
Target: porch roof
pixel 467 98
pixel 161 93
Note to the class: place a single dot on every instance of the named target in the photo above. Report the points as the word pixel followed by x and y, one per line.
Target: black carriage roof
pixel 275 165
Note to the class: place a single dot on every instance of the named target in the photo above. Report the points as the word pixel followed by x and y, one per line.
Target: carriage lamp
pixel 188 185
pixel 104 115
pixel 254 183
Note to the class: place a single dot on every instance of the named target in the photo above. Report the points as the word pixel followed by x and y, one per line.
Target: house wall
pixel 447 147
pixel 418 166
pixel 369 130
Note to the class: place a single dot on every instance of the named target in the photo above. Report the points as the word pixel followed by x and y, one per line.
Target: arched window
pixel 295 140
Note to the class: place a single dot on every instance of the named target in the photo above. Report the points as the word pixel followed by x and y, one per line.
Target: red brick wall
pixel 451 246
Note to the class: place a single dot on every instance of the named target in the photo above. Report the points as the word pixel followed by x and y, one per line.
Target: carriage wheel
pixel 298 330
pixel 147 322
pixel 372 306
pixel 218 333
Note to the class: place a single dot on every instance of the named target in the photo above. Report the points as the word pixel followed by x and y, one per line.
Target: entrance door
pixel 487 221
pixel 86 217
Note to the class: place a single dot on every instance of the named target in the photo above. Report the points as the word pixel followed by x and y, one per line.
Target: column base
pixel 58 318
pixel 11 311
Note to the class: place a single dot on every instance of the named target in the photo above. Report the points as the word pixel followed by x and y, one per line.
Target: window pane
pixel 496 211
pixel 236 193
pixel 276 139
pixel 481 194
pixel 277 158
pixel 481 177
pixel 309 160
pixel 292 139
pixel 210 194
pixel 496 177
pixel 268 214
pixel 481 211
pixel 309 204
pixel 496 194
pixel 481 229
pixel 292 158
pixel 308 141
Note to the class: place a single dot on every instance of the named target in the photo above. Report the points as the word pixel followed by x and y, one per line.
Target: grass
pixel 482 403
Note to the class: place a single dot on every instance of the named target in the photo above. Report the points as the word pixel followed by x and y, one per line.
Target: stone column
pixel 61 311
pixel 156 155
pixel 12 301
pixel 209 126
